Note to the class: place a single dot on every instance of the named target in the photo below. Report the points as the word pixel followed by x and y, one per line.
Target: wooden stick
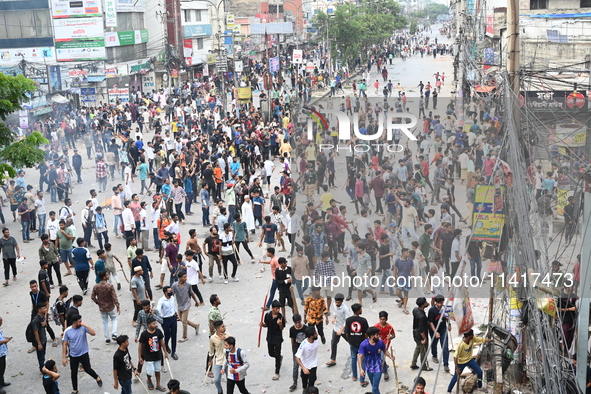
pixel 124 274
pixel 263 315
pixel 395 370
pixel 207 371
pixel 143 384
pixel 295 304
pixel 169 369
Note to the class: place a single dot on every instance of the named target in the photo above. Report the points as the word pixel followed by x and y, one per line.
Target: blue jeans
pixel 117 221
pixel 217 376
pixel 374 378
pixel 473 366
pixel 205 215
pixel 476 266
pixel 385 275
pixel 156 236
pixel 354 350
pixel 408 230
pixel 272 293
pixel 188 202
pixel 301 286
pixel 25 230
pixel 125 386
pixel 444 348
pixel 42 223
pixel 350 192
pixel 53 193
pixel 231 212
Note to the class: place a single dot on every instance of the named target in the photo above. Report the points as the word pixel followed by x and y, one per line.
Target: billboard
pixel 76 8
pixel 28 54
pixel 69 29
pixel 488 214
pixel 131 5
pixel 122 38
pixel 67 51
pixel 121 94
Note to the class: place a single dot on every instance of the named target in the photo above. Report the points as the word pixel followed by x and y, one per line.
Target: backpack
pixel 55 312
pixel 30 333
pixel 238 356
pixel 310 177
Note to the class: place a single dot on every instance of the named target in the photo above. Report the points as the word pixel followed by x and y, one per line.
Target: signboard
pixel 131 5
pixel 110 13
pixel 274 64
pixel 76 8
pixel 488 214
pixel 490 25
pixel 244 94
pixel 69 29
pixel 121 94
pixel 88 94
pixel 238 66
pixel 67 51
pixel 28 54
pixel 117 70
pixel 545 101
pixel 197 30
pixel 174 73
pixel 148 82
pixel 187 47
pixel 221 62
pixel 122 38
pixel 298 56
pixel 229 19
pixel 24 122
pixel 561 201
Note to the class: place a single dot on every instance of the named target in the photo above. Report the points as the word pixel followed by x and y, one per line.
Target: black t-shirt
pixel 385 262
pixel 309 252
pixel 355 329
pixel 298 335
pixel 49 385
pixel 213 245
pixel 122 364
pixel 151 342
pixel 72 310
pixel 42 277
pixel 446 241
pixel 420 324
pixel 434 316
pixel 274 332
pixel 39 298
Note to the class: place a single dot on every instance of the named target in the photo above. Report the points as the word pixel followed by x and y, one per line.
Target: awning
pixel 484 88
pixel 59 99
pixel 96 78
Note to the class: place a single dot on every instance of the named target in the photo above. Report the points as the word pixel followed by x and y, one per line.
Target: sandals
pixel 183 340
pixel 151 385
pixel 364 384
pixel 374 299
pixel 331 363
pixel 276 376
pixel 405 312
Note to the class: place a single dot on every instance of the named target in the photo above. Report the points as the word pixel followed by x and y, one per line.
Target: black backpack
pixel 30 333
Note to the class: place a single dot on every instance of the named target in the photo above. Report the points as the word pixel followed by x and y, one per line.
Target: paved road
pixel 240 301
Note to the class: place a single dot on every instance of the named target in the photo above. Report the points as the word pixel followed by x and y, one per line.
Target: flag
pixel 462 310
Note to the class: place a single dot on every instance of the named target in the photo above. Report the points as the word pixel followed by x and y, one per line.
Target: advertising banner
pixel 298 56
pixel 187 47
pixel 67 51
pixel 121 94
pixel 131 5
pixel 27 54
pixel 488 214
pixel 274 64
pixel 88 94
pixel 76 8
pixel 110 13
pixel 148 82
pixel 69 29
pixel 122 38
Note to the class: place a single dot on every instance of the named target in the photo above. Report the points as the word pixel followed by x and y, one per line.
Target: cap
pixel 230 185
pixel 557 263
pixel 136 269
pixel 392 225
pixel 286 173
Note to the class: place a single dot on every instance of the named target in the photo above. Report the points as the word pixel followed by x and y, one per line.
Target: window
pixel 538 4
pixel 553 35
pixel 127 21
pixel 25 24
pixel 126 53
pixel 198 43
pixel 192 16
pixel 585 3
pixel 273 9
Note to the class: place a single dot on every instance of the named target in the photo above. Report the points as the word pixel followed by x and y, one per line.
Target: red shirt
pixel 425 168
pixel 378 233
pixel 385 333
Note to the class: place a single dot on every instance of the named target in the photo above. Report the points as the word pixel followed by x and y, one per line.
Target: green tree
pixel 353 30
pixel 16 152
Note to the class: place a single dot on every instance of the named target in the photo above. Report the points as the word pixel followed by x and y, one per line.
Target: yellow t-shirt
pixel 310 153
pixel 325 198
pixel 464 351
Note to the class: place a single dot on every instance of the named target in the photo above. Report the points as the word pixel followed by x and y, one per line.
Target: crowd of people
pixel 258 178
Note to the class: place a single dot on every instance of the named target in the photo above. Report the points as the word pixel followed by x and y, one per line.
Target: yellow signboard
pixel 489 213
pixel 244 93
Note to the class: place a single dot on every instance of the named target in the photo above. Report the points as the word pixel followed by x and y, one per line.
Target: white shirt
pixel 269 166
pixel 455 247
pixel 149 151
pixel 128 220
pixel 308 353
pixel 192 272
pixel 144 223
pixel 341 313
pixel 40 207
pixel 363 226
pixel 167 307
pixel 66 212
pixel 52 227
pixel 292 223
